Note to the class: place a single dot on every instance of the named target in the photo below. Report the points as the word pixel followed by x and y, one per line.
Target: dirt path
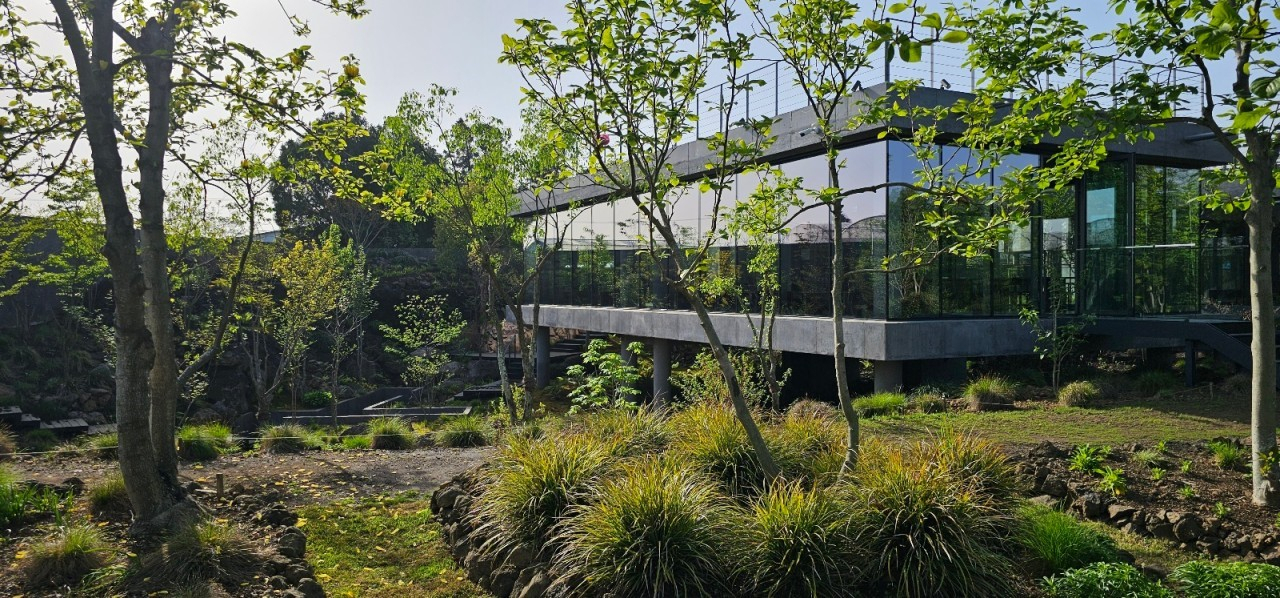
pixel 311 477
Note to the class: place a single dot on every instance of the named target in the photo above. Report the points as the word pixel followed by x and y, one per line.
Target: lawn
pixel 384 546
pixel 1141 421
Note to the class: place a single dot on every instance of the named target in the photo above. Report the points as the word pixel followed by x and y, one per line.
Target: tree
pixel 422 339
pixel 137 75
pixel 352 304
pixel 631 72
pixel 1036 52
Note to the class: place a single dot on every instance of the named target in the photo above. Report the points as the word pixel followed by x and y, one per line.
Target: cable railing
pixel 941 66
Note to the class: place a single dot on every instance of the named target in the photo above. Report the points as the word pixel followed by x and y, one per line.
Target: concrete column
pixel 542 355
pixel 661 371
pixel 888 375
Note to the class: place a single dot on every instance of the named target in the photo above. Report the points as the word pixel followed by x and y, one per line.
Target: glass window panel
pixel 1106 261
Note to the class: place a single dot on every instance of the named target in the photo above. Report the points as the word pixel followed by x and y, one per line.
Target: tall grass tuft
pixel 463 432
pixel 533 482
pixel 1081 393
pixel 109 498
pixel 928 530
pixel 812 408
pixel 206 552
pixel 974 462
pixel 709 437
pixel 881 403
pixel 1227 580
pixel 103 446
pixel 797 544
pixel 8 443
pixel 391 433
pixel 990 392
pixel 66 558
pixel 656 529
pixel 1153 382
pixel 1057 542
pixel 1228 455
pixel 630 432
pixel 809 447
pixel 285 438
pixel 204 441
pixel 20 502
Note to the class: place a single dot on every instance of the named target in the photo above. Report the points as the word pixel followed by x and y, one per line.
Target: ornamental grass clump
pixel 284 438
pixel 812 408
pixel 533 482
pixel 1228 455
pixel 64 559
pixel 709 438
pixel 810 447
pixel 109 499
pixel 928 530
pixel 103 446
pixel 630 432
pixel 975 462
pixel 206 552
pixel 204 442
pixel 391 433
pixel 797 544
pixel 1056 542
pixel 990 392
pixel 1081 393
pixel 881 403
pixel 8 443
pixel 463 432
pixel 657 528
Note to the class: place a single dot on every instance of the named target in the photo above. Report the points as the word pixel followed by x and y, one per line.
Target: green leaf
pixel 508 43
pixel 955 37
pixel 1266 87
pixel 897 7
pixel 911 51
pixel 606 40
pixel 1248 119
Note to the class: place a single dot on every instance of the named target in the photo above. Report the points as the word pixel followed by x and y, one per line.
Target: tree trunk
pixel 529 375
pixel 837 319
pixel 1262 303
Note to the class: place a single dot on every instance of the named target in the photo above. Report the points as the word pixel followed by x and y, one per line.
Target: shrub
pixel 109 497
pixel 205 552
pixel 1153 382
pixel 797 544
pixel 709 437
pixel 812 408
pixel 1104 580
pixel 285 438
pixel 990 392
pixel 391 433
pixel 809 447
pixel 1227 580
pixel 463 432
pixel 1228 455
pixel 103 446
pixel 1057 542
pixel 66 558
pixel 357 442
pixel 8 443
pixel 881 403
pixel 927 399
pixel 925 532
pixel 204 442
pixel 317 399
pixel 656 529
pixel 1079 394
pixel 39 441
pixel 533 483
pixel 629 431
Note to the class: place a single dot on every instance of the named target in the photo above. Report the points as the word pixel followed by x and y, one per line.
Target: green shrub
pixel 630 432
pixel 1057 542
pixel 317 399
pixel 657 529
pixel 533 483
pixel 812 408
pixel 925 530
pixel 357 442
pixel 808 447
pixel 1153 382
pixel 109 498
pixel 990 392
pixel 8 443
pixel 709 437
pixel 1228 455
pixel 1104 580
pixel 72 553
pixel 391 433
pixel 1227 580
pixel 103 446
pixel 463 432
pixel 1079 394
pixel 204 442
pixel 285 438
pixel 1088 458
pixel 881 403
pixel 797 544
pixel 206 552
pixel 39 441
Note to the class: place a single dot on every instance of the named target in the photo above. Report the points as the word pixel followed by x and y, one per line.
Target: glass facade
pixel 1124 240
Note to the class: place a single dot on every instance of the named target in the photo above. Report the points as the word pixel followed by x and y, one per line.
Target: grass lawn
pixel 385 546
pixel 1142 421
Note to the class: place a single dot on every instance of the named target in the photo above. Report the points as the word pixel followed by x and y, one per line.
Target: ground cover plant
pixel 881 403
pixel 203 442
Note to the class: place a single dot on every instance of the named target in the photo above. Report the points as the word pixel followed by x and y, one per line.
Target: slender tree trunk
pixel 837 320
pixel 529 375
pixel 1260 219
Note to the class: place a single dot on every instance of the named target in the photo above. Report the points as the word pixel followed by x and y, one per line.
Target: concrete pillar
pixel 542 355
pixel 661 371
pixel 888 375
